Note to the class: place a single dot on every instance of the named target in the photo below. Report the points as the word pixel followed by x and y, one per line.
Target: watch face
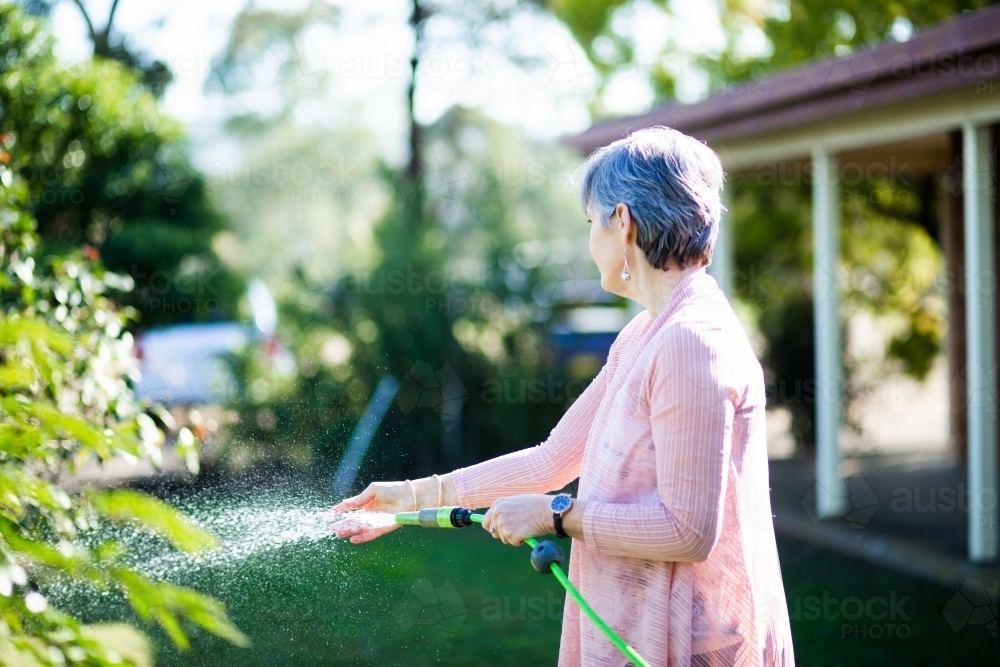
pixel 561 503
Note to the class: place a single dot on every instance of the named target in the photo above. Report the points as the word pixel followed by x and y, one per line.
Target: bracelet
pixel 413 490
pixel 440 489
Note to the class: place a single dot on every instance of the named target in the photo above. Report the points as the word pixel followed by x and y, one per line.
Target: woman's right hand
pixel 385 497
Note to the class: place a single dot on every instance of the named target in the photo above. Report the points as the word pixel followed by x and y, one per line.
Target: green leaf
pixel 153 515
pixel 171 626
pixel 87 434
pixel 210 614
pixel 151 601
pixel 76 564
pixel 15 376
pixel 130 644
pixel 13 331
pixel 19 489
pixel 21 440
pixel 187 447
pixel 168 603
pixel 139 590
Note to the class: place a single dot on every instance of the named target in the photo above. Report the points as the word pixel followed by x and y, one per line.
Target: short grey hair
pixel 672 185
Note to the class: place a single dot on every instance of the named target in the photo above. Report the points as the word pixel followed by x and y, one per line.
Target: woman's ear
pixel 625 216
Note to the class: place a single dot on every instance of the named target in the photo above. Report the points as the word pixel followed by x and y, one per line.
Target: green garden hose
pixel 545 555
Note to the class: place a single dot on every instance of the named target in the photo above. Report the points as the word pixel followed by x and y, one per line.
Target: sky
pixel 365 60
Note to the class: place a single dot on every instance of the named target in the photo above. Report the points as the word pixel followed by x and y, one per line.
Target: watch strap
pixel 557 522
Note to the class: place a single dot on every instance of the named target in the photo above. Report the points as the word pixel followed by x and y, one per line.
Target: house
pixel 930 105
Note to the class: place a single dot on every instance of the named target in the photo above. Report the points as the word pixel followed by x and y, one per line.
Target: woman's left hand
pixel 515 518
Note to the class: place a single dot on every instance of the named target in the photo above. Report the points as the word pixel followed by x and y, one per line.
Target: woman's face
pixel 607 249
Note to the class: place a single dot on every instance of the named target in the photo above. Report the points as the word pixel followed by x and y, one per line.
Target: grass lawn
pixel 902 622
pixel 422 597
pixel 419 597
pixel 413 597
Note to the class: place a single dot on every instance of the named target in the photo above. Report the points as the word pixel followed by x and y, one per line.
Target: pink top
pixel 679 555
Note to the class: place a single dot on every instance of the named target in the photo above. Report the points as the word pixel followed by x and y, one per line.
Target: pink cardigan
pixel 679 555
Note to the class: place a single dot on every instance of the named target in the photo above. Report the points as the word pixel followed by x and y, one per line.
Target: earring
pixel 625 274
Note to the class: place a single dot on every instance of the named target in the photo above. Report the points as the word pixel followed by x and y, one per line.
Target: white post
pixel 981 373
pixel 723 259
pixel 831 493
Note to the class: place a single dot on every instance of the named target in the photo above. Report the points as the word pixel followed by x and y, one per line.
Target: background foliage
pixel 65 361
pixel 459 283
pixel 103 168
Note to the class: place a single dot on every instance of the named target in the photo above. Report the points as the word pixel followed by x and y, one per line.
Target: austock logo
pixel 438 606
pixel 973 604
pixel 876 617
pixel 423 387
pixel 149 171
pixel 557 64
pixel 860 501
pixel 855 73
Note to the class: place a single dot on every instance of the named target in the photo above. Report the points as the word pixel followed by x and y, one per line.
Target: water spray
pixel 546 557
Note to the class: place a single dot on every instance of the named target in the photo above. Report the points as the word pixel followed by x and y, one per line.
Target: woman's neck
pixel 654 288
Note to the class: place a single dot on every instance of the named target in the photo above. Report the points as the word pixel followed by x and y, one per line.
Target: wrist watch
pixel 560 505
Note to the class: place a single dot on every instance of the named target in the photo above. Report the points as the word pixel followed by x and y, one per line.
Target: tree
pixel 105 169
pixel 485 267
pixel 64 400
pixel 795 32
pixel 259 31
pixel 408 331
pixel 65 359
pixel 108 43
pixel 814 28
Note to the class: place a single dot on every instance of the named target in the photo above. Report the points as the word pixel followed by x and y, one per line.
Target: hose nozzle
pixel 436 517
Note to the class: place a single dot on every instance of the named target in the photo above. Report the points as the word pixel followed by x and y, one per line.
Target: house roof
pixel 958 53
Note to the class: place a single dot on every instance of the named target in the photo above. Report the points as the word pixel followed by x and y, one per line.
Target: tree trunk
pixel 418 16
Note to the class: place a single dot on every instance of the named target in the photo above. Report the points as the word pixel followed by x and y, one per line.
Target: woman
pixel 673 541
